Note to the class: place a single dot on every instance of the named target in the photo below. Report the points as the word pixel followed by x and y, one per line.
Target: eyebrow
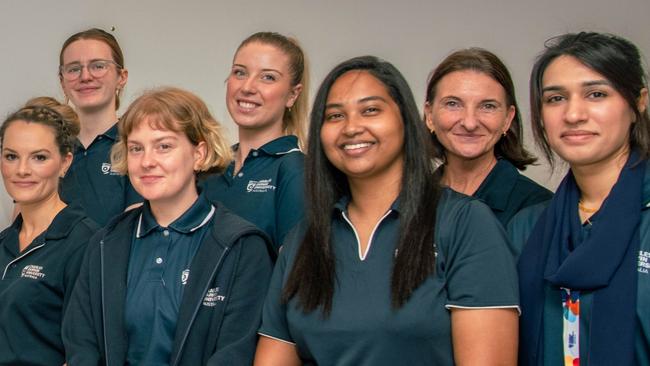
pixel 584 84
pixel 263 70
pixel 130 141
pixel 360 101
pixel 92 60
pixel 31 152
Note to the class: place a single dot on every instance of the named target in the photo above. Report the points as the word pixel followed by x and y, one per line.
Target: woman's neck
pixel 595 181
pixel 37 217
pixel 167 211
pixel 250 139
pixel 465 175
pixel 94 124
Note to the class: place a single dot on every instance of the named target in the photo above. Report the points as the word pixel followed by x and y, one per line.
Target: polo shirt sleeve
pixel 479 270
pixel 274 315
pixel 290 208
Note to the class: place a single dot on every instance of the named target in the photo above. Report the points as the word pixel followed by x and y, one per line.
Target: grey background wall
pixel 190 43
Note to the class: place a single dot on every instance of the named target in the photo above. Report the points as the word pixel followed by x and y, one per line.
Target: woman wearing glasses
pixel 41 252
pixel 92 76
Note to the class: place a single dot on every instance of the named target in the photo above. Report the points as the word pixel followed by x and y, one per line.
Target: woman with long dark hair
pixel 388 268
pixel 584 271
pixel 476 128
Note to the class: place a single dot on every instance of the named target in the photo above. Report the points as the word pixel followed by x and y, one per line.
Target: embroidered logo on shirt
pixel 644 261
pixel 260 186
pixel 212 297
pixel 184 276
pixel 32 271
pixel 108 169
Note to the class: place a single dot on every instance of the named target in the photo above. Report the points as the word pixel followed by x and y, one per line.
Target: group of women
pixel 147 240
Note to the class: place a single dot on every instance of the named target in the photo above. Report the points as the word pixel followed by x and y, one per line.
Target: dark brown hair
pixel 510 146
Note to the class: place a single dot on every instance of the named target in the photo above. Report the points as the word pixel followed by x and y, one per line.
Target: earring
pixel 289 109
pixel 505 133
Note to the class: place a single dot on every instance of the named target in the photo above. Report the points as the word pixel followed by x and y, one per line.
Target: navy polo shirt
pixel 267 190
pixel 474 269
pixel 159 264
pixel 91 183
pixel 507 192
pixel 35 287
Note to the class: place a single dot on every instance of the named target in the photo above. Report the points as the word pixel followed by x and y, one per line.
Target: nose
pixel 469 119
pixel 249 86
pixel 24 169
pixel 85 73
pixel 353 125
pixel 576 111
pixel 148 160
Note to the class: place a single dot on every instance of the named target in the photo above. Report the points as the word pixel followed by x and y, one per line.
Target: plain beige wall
pixel 190 43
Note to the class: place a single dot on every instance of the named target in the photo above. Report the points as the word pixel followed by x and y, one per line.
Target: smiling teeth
pixel 247 105
pixel 356 146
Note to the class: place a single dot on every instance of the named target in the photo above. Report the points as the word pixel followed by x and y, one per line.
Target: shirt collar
pixel 194 218
pixel 111 133
pixel 498 185
pixel 280 146
pixel 342 204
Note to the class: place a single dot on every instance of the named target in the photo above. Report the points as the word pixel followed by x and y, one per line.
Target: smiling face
pixel 161 164
pixel 586 120
pixel 259 88
pixel 469 114
pixel 88 93
pixel 31 162
pixel 363 133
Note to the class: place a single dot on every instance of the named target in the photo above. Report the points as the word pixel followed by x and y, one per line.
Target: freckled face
pixel 31 162
pixel 586 120
pixel 363 131
pixel 469 114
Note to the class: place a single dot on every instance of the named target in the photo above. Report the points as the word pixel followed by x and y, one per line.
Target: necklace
pixel 585 209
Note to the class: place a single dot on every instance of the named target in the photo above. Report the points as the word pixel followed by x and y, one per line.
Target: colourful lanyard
pixel 571 326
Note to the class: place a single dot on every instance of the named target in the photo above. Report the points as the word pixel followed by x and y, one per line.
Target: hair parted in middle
pixel 510 146
pixel 177 110
pixel 293 120
pixel 312 278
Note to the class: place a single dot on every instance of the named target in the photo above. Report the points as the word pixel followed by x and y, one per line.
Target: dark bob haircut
pixel 510 146
pixel 312 278
pixel 615 58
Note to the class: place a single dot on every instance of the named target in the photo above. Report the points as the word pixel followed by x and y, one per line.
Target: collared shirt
pixel 35 287
pixel 473 269
pixel 267 190
pixel 158 270
pixel 91 184
pixel 507 192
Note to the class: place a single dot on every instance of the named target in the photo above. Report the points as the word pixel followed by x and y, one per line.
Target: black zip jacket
pixel 234 261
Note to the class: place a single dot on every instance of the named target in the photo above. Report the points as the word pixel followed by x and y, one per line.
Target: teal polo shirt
pixel 474 269
pixel 507 192
pixel 268 190
pixel 36 285
pixel 91 184
pixel 158 270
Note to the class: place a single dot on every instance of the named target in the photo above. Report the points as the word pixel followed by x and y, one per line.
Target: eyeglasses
pixel 96 68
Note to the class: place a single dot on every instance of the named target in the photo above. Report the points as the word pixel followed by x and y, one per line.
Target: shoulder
pixel 532 190
pixel 453 205
pixel 522 224
pixel 228 227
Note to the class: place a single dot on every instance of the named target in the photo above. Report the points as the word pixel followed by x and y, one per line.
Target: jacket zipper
pixel 101 280
pixel 21 257
pixel 196 310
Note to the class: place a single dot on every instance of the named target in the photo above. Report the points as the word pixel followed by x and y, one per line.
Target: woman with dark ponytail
pixel 388 268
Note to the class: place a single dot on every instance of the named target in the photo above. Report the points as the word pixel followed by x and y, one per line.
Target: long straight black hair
pixel 313 275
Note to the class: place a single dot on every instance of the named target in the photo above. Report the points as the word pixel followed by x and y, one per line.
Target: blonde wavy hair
pixel 176 110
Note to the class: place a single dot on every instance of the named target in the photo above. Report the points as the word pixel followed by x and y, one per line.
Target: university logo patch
pixel 184 276
pixel 33 271
pixel 106 168
pixel 212 296
pixel 644 261
pixel 260 186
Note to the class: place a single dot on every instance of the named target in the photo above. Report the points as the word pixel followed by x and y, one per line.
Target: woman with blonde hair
pixel 176 281
pixel 267 98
